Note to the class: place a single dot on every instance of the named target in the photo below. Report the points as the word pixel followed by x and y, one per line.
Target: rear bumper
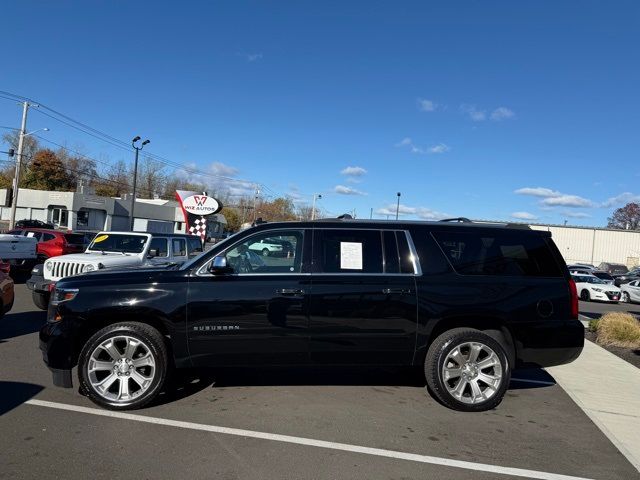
pixel 548 343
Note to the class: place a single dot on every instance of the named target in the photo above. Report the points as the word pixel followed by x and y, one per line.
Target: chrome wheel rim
pixel 121 369
pixel 472 372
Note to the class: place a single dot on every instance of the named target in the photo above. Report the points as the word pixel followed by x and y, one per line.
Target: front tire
pixel 467 370
pixel 123 366
pixel 41 300
pixel 585 296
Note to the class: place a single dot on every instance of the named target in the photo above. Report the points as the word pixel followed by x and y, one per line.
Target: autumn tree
pixel 30 144
pixel 627 217
pixel 115 181
pixel 234 222
pixel 78 166
pixel 151 178
pixel 279 209
pixel 47 172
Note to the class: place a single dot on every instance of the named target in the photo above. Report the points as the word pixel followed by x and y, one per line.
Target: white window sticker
pixel 30 234
pixel 350 256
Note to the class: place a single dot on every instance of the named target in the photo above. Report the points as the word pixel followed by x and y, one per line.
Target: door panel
pixel 361 319
pixel 245 320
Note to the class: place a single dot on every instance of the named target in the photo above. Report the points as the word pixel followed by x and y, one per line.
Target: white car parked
pixel 266 248
pixel 592 288
pixel 631 292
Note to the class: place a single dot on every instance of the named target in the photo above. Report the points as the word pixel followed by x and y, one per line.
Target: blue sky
pixel 489 110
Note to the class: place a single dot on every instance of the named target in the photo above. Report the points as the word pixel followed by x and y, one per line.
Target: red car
pixel 6 289
pixel 52 243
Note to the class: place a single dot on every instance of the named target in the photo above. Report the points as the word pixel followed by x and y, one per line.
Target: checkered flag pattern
pixel 199 227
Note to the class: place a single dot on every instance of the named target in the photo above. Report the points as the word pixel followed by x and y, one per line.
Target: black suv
pixel 466 302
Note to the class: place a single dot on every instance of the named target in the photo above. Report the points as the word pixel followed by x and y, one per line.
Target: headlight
pixel 48 266
pixel 599 290
pixel 89 268
pixel 63 295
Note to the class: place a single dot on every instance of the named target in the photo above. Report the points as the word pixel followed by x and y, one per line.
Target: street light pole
pixel 316 196
pixel 16 178
pixel 135 175
pixel 398 206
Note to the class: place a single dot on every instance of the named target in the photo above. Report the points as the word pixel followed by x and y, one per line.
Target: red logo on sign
pixel 199 200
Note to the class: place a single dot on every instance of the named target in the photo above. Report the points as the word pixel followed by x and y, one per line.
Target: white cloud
pixel 252 57
pixel 344 190
pixel 473 113
pixel 407 142
pixel 426 105
pixel 502 113
pixel 538 192
pixel 219 168
pixel 622 199
pixel 553 198
pixel 353 171
pixel 567 201
pixel 440 148
pixel 420 212
pixel 524 216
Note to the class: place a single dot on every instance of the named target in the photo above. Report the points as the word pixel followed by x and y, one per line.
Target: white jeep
pixel 112 250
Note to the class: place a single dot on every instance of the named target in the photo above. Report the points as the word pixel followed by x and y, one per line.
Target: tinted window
pixel 75 238
pixel 406 262
pixel 499 253
pixel 36 235
pixel 195 245
pixel 179 247
pixel 262 254
pixel 603 275
pixel 349 251
pixel 159 247
pixel 391 255
pixel 47 236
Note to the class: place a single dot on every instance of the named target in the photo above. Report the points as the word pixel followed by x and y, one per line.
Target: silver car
pixel 631 292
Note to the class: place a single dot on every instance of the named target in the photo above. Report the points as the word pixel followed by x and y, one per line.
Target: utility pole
pixel 135 174
pixel 371 214
pixel 16 178
pixel 316 196
pixel 255 203
pixel 398 206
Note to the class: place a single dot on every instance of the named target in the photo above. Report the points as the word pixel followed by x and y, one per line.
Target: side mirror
pixel 219 266
pixel 153 253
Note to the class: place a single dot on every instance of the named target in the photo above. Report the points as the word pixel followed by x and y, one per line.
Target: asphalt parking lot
pixel 267 424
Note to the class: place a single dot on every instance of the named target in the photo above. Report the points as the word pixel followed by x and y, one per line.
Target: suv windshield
pixel 122 243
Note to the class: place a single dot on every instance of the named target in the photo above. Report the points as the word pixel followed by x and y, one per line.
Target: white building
pixel 87 211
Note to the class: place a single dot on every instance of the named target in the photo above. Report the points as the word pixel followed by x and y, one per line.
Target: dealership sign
pixel 201 205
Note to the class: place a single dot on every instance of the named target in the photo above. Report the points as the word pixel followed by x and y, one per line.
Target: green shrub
pixel 618 329
pixel 593 325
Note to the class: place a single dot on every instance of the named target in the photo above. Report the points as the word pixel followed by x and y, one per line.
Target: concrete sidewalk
pixel 607 389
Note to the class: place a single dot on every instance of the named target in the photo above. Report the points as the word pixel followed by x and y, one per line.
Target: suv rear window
pixel 74 238
pixel 498 253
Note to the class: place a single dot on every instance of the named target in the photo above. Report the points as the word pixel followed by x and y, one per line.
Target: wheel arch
pixel 492 325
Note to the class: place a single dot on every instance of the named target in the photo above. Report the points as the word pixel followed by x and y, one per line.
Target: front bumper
pixel 56 345
pixel 606 296
pixel 547 343
pixel 37 283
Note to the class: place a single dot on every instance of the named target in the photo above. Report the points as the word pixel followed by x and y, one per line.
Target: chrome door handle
pixel 399 291
pixel 289 291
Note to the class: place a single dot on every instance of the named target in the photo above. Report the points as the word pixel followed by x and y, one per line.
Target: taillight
pixel 573 291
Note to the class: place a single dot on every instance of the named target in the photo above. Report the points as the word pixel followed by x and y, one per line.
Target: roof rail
pixel 457 219
pixel 345 216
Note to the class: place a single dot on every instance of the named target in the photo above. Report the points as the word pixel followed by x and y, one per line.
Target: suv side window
pixel 36 235
pixel 349 251
pixel 47 236
pixel 179 247
pixel 159 246
pixel 391 255
pixel 249 255
pixel 498 253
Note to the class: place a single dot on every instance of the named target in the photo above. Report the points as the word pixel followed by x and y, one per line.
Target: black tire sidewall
pixel 151 337
pixel 437 355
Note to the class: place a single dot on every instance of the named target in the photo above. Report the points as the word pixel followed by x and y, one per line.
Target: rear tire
pixel 625 297
pixel 41 300
pixel 123 366
pixel 265 252
pixel 467 370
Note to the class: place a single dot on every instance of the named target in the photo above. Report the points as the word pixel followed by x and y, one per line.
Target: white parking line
pixel 481 467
